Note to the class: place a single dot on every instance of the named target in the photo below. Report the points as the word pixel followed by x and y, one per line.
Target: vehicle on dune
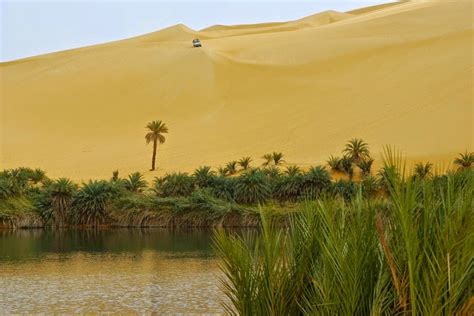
pixel 196 42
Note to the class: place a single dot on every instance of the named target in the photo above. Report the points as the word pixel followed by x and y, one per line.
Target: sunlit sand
pixel 398 74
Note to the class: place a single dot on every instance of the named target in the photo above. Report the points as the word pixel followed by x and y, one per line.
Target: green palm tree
pixel 268 159
pixel 347 167
pixel 135 182
pixel 90 202
pixel 156 129
pixel 335 164
pixel 62 192
pixel 357 150
pixel 231 167
pixel 203 176
pixel 245 162
pixel 252 187
pixel 465 161
pixel 38 175
pixel 292 171
pixel 277 158
pixel 222 171
pixel 115 176
pixel 423 171
pixel 365 165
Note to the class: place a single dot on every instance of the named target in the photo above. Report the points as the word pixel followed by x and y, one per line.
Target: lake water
pixel 113 270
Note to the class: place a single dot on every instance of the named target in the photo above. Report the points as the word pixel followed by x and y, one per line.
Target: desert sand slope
pixel 399 75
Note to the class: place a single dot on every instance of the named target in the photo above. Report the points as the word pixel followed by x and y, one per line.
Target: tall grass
pixel 408 253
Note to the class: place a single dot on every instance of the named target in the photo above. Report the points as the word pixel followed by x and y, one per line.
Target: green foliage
pixel 423 171
pixel 252 187
pixel 268 159
pixel 344 189
pixel 231 167
pixel 90 202
pixel 222 171
pixel 61 193
pixel 357 150
pixel 365 166
pixel 277 158
pixel 408 254
pixel 245 162
pixel 175 184
pixel 335 163
pixel 223 188
pixel 465 160
pixel 272 172
pixel 346 165
pixel 203 176
pixel 156 129
pixel 292 171
pixel 115 176
pixel 370 187
pixel 289 187
pixel 135 183
pixel 317 180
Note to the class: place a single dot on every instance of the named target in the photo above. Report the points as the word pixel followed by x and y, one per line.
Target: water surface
pixel 113 270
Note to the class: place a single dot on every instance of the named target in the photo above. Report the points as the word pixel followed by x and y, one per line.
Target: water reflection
pixel 115 270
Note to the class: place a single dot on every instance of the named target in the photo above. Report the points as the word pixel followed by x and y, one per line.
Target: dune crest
pixel 396 74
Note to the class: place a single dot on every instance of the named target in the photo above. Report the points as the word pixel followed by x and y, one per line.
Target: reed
pixel 407 253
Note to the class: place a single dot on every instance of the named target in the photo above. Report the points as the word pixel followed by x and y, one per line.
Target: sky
pixel 34 27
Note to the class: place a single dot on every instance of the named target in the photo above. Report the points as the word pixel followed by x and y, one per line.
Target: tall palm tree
pixel 156 129
pixel 465 161
pixel 357 150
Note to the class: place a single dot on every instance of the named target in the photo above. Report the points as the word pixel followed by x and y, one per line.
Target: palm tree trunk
pixel 153 158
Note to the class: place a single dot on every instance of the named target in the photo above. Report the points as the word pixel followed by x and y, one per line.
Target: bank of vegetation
pixel 231 195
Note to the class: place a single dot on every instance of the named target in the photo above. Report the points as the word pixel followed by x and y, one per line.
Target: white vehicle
pixel 196 43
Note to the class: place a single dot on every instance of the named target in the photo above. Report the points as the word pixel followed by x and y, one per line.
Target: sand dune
pixel 397 74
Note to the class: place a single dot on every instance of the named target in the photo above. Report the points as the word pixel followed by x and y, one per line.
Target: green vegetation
pixel 156 129
pixel 207 197
pixel 354 253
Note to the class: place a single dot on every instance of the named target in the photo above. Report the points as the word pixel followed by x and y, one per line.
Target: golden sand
pixel 397 74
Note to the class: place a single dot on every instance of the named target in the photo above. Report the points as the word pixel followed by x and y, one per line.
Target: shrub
pixel 289 187
pixel 365 166
pixel 90 202
pixel 203 176
pixel 252 187
pixel 316 181
pixel 344 189
pixel 223 188
pixel 135 183
pixel 175 184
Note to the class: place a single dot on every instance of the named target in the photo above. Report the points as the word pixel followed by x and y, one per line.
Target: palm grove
pixel 336 240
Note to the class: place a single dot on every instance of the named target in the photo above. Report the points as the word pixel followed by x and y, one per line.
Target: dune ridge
pixel 395 74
